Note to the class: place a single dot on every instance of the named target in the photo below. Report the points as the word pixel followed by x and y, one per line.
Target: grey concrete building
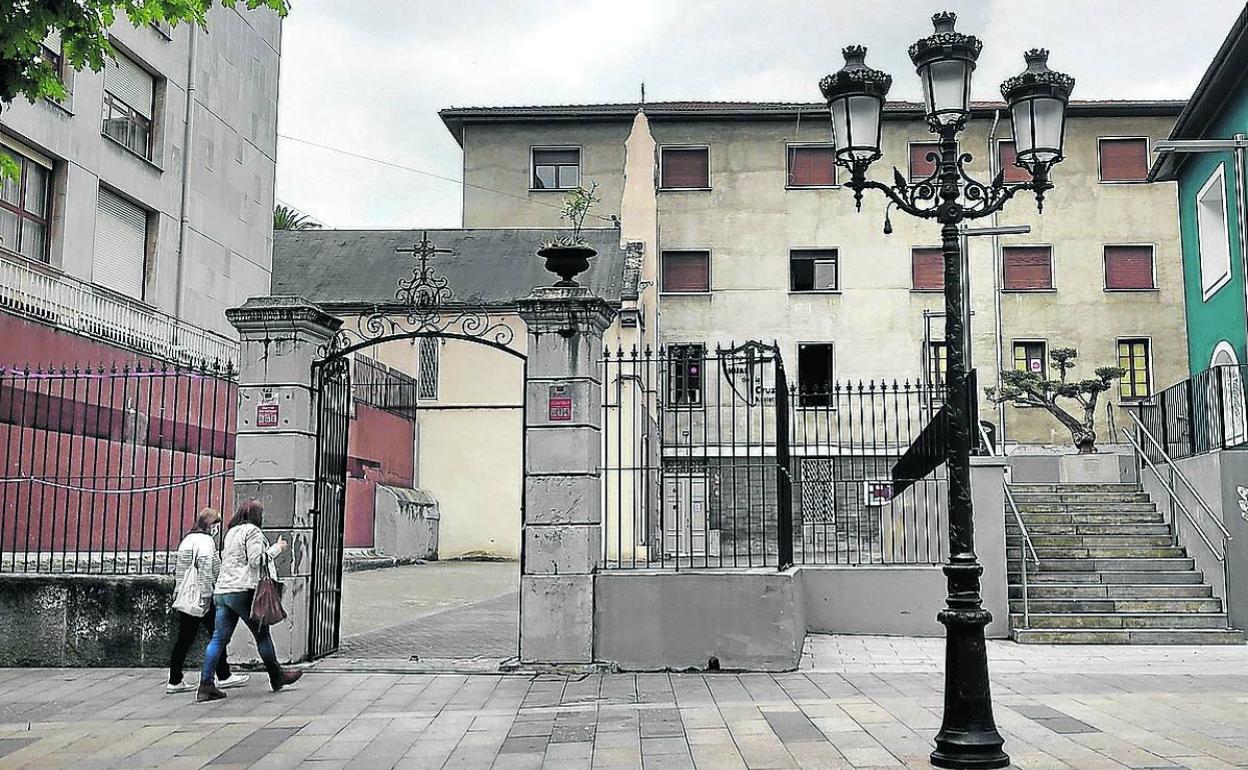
pixel 146 195
pixel 749 236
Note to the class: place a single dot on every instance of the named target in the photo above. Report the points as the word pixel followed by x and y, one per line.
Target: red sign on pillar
pixel 559 404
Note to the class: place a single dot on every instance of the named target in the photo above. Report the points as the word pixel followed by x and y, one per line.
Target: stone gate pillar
pixel 562 528
pixel 275 457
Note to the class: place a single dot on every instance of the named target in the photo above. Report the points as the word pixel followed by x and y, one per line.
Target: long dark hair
pixel 250 512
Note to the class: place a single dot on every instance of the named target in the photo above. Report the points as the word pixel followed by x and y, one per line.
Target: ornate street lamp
pixel 1037 99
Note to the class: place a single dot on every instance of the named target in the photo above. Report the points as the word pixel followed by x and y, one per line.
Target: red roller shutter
pixel 1129 267
pixel 686 271
pixel 920 166
pixel 811 167
pixel 1028 267
pixel 686 167
pixel 1124 160
pixel 927 269
pixel 1006 156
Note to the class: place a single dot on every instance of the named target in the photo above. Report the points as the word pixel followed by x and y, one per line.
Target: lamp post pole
pixel 968 736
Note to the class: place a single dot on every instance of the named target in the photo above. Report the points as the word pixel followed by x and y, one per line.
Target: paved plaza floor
pixel 857 702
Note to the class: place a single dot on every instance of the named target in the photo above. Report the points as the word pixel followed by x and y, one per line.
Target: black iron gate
pixel 333 384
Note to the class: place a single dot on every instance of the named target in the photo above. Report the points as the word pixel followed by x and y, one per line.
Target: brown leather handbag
pixel 266 603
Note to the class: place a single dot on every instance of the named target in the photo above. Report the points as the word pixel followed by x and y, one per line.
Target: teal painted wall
pixel 1222 316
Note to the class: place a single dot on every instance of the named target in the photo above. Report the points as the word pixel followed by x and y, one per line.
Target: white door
pixel 684 515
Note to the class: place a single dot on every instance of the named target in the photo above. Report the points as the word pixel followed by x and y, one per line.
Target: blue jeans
pixel 232 607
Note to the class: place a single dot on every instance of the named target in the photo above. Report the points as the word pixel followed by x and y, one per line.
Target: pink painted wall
pixel 381 449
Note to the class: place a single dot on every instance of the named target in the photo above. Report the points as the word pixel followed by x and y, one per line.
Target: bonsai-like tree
pixel 576 206
pixel 1025 388
pixel 287 218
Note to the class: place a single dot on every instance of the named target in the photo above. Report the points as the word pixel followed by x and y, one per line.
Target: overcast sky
pixel 369 76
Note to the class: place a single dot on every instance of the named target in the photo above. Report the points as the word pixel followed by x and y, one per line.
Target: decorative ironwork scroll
pixel 425 307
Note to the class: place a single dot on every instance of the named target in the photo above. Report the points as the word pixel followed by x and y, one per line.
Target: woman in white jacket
pixel 197 551
pixel 242 558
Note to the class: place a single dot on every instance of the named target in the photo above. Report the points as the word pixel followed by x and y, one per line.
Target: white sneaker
pixel 174 689
pixel 235 680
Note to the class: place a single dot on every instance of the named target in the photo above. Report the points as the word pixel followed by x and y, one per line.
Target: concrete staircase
pixel 1111 571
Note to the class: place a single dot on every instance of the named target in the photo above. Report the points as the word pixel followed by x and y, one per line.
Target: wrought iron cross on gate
pixel 425 292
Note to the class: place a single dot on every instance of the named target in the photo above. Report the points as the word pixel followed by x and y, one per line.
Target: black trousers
pixel 188 626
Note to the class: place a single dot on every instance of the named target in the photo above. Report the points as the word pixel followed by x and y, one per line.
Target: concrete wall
pixel 228 251
pixel 751 620
pixel 895 600
pixel 87 620
pixel 749 221
pixel 406 523
pixel 1046 467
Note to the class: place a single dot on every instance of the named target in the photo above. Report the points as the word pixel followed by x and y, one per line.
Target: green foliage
pixel 83 25
pixel 1025 388
pixel 576 206
pixel 286 218
pixel 9 169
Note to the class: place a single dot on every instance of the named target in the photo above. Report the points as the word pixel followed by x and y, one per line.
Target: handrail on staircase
pixel 1204 506
pixel 1027 544
pixel 1174 498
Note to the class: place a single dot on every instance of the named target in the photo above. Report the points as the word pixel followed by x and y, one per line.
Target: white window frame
pixel 1105 265
pixel 836 260
pixel 1100 175
pixel 1223 246
pixel 710 276
pixel 580 165
pixel 709 166
pixel 1148 363
pixel 788 167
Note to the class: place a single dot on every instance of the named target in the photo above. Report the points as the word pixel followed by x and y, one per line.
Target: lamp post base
pixel 968 736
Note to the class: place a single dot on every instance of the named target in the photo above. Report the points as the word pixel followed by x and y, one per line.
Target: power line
pixel 422 172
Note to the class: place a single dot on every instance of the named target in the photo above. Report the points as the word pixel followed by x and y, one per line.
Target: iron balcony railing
pixel 41 293
pixel 1200 414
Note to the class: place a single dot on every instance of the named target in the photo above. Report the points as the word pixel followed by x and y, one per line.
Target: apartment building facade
pixel 749 236
pixel 144 205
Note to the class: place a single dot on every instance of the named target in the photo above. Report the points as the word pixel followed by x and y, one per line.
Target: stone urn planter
pixel 567 261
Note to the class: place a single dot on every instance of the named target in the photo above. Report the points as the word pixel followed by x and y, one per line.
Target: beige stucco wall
pixel 749 221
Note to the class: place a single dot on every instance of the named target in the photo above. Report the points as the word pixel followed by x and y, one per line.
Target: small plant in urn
pixel 568 256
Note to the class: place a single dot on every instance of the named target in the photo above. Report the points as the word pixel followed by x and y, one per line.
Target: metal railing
pixel 51 297
pixel 104 470
pixel 1026 545
pixel 1200 414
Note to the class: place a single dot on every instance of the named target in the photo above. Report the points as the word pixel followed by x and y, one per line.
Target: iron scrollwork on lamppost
pixel 425 306
pixel 1037 100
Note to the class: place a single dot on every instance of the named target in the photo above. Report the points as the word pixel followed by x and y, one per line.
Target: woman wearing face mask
pixel 198 558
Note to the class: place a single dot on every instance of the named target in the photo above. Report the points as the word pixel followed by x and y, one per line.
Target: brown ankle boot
pixel 208 692
pixel 284 678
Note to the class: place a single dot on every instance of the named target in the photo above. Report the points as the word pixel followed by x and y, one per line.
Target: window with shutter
pixel 129 96
pixel 120 245
pixel 1129 267
pixel 25 206
pixel 1028 268
pixel 813 270
pixel 684 168
pixel 686 271
pixel 1006 156
pixel 1124 160
pixel 811 166
pixel 556 168
pixel 920 166
pixel 927 269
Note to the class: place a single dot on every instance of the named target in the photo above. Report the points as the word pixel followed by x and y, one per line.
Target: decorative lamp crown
pixel 855 78
pixel 1037 80
pixel 945 43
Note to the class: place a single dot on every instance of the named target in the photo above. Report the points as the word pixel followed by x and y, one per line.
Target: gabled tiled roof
pixel 456 117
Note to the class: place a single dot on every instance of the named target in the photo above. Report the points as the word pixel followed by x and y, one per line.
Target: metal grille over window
pixel 120 245
pixel 129 93
pixel 429 352
pixel 818 491
pixel 556 169
pixel 24 205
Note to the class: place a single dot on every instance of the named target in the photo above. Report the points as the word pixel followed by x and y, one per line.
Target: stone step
pixel 1101 552
pixel 1117 620
pixel 1112 591
pixel 1088 529
pixel 1081 497
pixel 1034 486
pixel 1096 518
pixel 1092 577
pixel 1110 606
pixel 1128 636
pixel 1050 506
pixel 1111 564
pixel 1049 540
